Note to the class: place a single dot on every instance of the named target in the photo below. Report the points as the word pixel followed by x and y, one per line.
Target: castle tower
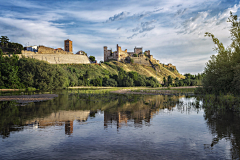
pixel 148 52
pixel 105 53
pixel 68 45
pixel 118 52
pixel 137 50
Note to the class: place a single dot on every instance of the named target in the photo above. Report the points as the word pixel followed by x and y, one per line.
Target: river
pixel 111 126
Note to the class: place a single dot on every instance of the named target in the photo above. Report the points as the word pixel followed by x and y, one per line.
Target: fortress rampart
pixel 59 58
pixel 47 50
pixel 56 56
pixel 141 60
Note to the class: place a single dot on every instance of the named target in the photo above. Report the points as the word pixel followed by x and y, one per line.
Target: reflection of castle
pixel 60 118
pixel 122 118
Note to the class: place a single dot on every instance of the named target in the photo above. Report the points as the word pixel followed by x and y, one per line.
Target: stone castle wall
pixel 47 50
pixel 121 54
pixel 59 58
pixel 140 60
pixel 170 66
pixel 53 56
pixel 137 50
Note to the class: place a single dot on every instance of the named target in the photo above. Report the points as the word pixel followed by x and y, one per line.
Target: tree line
pixel 190 80
pixel 24 72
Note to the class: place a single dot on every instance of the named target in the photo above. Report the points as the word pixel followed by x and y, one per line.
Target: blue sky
pixel 173 31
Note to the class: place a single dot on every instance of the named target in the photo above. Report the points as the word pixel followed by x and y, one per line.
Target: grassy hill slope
pixel 111 68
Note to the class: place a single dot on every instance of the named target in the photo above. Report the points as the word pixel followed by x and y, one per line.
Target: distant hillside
pixel 148 71
pixel 111 68
pixel 29 72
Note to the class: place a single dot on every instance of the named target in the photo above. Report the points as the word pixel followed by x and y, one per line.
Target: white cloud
pixel 172 30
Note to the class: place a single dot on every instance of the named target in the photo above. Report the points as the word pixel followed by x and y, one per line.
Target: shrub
pixel 110 82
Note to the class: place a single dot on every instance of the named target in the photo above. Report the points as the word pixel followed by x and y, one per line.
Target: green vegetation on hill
pixel 32 73
pixel 27 73
pixel 190 80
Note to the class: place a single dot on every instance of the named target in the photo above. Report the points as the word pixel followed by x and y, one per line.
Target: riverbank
pixel 156 91
pixel 24 99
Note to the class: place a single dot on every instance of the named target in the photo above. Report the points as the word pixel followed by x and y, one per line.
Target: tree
pixel 131 61
pixel 164 81
pixel 176 81
pixel 4 41
pixel 169 80
pixel 220 71
pixel 92 58
pixel 110 82
pixel 135 55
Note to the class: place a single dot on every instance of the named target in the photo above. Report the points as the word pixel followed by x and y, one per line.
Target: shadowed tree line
pixel 190 80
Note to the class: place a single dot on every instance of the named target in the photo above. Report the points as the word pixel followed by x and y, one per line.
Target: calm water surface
pixel 80 126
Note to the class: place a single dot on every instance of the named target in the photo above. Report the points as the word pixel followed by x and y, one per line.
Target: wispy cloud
pixel 118 17
pixel 143 27
pixel 135 34
pixel 181 12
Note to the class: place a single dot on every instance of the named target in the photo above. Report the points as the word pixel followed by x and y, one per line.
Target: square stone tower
pixel 137 50
pixel 68 45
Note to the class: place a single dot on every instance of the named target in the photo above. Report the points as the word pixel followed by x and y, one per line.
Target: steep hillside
pixel 148 71
pixel 111 68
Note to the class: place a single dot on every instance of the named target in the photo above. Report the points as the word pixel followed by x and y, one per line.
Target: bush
pixel 110 82
pixel 97 81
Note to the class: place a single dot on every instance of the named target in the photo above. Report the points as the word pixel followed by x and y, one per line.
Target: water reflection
pixel 65 109
pixel 121 112
pixel 60 118
pixel 224 125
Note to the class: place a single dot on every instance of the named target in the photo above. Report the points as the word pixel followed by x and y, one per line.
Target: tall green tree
pixel 4 41
pixel 164 81
pixel 220 73
pixel 170 80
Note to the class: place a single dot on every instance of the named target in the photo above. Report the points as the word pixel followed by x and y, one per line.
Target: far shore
pixel 138 87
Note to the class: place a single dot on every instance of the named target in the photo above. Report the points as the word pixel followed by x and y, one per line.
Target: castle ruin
pixel 120 55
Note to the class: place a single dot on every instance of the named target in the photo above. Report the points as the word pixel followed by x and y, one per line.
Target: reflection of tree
pixel 117 108
pixel 13 118
pixel 224 125
pixel 189 105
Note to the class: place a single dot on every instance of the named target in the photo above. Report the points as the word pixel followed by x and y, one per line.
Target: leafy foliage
pixel 92 58
pixel 10 47
pixel 222 71
pixel 190 80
